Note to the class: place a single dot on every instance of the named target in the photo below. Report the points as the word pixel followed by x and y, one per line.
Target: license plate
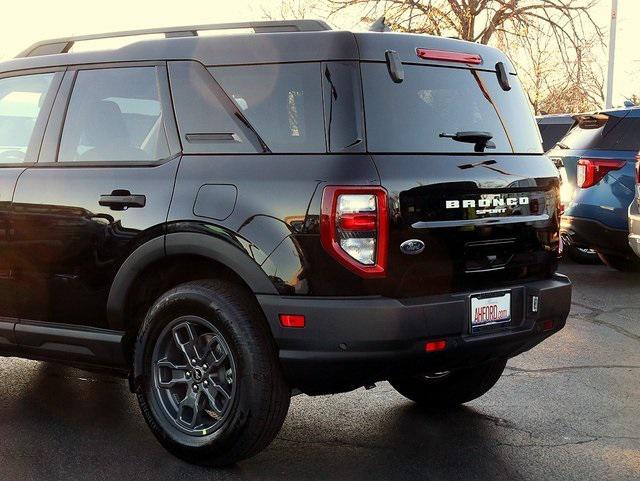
pixel 494 308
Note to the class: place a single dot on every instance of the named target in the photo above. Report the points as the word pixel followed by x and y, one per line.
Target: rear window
pixel 612 133
pixel 410 116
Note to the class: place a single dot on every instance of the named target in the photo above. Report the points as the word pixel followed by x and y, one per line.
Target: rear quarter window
pixel 283 102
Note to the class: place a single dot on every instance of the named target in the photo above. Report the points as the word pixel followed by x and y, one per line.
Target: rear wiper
pixel 562 146
pixel 480 139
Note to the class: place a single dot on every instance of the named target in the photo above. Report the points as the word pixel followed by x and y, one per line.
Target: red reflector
pixel 447 56
pixel 433 346
pixel 547 325
pixel 592 171
pixel 292 320
pixel 363 222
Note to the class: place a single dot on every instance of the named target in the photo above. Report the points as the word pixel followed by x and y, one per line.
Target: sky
pixel 27 21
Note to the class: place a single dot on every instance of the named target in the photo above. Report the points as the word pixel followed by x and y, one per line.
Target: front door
pixel 101 187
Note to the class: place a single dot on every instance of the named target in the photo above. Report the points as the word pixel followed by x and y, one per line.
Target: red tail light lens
pixel 468 58
pixel 592 171
pixel 638 169
pixel 354 228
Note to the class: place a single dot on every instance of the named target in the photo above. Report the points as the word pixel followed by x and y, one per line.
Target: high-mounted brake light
pixel 354 228
pixel 592 171
pixel 444 55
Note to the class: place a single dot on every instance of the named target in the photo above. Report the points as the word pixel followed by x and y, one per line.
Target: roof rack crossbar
pixel 63 45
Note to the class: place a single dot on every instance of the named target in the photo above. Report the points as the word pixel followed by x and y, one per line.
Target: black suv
pixel 230 219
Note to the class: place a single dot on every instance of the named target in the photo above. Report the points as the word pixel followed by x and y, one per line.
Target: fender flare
pixel 182 243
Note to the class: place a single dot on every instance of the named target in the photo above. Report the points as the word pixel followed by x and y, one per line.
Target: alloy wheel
pixel 194 375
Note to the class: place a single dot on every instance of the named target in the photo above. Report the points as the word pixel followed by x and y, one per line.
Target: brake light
pixel 592 171
pixel 468 58
pixel 354 228
pixel 638 169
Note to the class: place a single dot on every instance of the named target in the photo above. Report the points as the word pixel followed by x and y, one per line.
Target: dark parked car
pixel 599 155
pixel 553 127
pixel 217 219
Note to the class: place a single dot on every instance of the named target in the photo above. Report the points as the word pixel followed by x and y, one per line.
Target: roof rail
pixel 63 45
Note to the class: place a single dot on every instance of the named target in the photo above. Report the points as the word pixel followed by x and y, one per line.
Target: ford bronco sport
pixel 229 219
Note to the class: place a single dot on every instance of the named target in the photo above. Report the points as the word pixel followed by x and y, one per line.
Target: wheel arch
pixel 205 251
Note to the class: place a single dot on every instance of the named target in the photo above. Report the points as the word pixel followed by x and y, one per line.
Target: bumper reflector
pixel 292 320
pixel 547 325
pixel 433 346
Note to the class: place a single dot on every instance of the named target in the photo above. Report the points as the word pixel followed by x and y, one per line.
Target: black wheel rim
pixel 194 375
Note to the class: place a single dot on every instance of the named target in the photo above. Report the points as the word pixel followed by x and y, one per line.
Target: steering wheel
pixel 12 154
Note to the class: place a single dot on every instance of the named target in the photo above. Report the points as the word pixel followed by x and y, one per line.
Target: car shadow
pixel 63 423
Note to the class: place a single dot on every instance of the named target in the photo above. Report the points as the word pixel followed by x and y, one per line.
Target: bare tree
pixel 295 9
pixel 479 20
pixel 556 83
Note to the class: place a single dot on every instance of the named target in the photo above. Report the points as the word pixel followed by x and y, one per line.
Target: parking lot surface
pixel 569 409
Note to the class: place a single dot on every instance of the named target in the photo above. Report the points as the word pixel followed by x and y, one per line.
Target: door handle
pixel 122 199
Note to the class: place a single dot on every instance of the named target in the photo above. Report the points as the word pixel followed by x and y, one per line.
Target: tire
pixel 583 256
pixel 621 263
pixel 447 390
pixel 241 398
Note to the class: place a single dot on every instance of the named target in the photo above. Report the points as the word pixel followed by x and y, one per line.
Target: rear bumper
pixel 349 342
pixel 591 234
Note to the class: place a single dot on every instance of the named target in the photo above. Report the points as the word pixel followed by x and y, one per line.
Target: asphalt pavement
pixel 567 410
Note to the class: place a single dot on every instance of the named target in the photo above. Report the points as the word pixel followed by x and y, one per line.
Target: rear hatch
pixel 487 214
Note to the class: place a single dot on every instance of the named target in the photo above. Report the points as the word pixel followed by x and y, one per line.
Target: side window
pixel 21 100
pixel 283 102
pixel 114 115
pixel 343 114
pixel 207 120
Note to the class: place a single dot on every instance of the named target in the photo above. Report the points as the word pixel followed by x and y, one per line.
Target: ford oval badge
pixel 412 247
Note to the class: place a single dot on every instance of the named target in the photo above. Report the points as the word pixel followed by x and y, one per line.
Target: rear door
pixel 101 187
pixel 25 103
pixel 487 214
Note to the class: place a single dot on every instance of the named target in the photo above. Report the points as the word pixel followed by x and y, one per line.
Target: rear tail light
pixel 592 171
pixel 638 169
pixel 354 228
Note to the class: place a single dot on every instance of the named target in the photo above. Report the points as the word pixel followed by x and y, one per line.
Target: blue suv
pixel 599 154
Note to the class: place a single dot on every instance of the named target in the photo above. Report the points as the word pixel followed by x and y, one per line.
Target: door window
pixel 21 100
pixel 114 115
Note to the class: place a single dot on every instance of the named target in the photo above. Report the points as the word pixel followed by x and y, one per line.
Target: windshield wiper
pixel 480 139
